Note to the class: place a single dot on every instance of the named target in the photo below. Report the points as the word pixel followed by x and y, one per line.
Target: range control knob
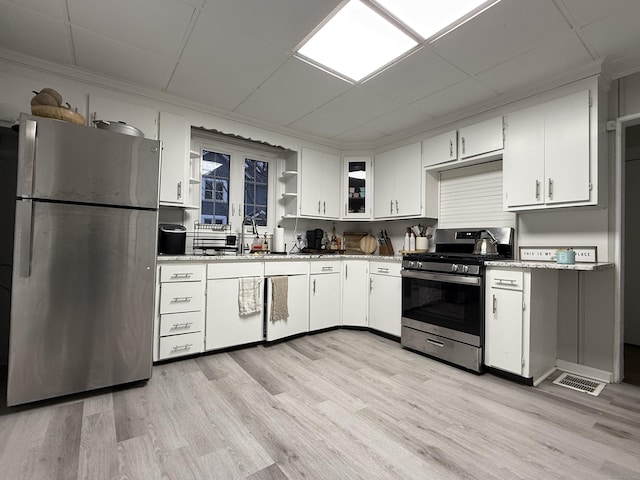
pixel 454 267
pixel 419 264
pixel 465 268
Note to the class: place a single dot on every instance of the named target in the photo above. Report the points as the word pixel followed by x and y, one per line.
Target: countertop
pixel 548 265
pixel 274 258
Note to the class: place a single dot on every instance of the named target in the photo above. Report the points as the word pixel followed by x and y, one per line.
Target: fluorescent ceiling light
pixel 428 17
pixel 356 42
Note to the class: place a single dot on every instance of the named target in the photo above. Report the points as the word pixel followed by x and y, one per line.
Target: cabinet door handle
pixel 324 207
pixel 537 189
pixel 186 346
pixel 182 325
pixel 370 284
pixel 182 275
pixel 397 209
pixel 383 270
pixel 436 343
pixel 550 189
pixel 327 269
pixel 314 286
pixel 346 272
pixel 506 281
pixel 233 209
pixel 179 190
pixel 181 299
pixel 346 211
pixel 463 145
pixel 319 206
pixel 495 303
pixel 391 207
pixel 450 148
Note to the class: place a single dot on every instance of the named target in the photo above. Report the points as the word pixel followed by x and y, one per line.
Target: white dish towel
pixel 249 295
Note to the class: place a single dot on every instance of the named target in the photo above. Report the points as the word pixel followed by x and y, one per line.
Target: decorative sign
pixel 548 254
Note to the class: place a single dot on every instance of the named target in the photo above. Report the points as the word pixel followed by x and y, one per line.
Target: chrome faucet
pixel 253 227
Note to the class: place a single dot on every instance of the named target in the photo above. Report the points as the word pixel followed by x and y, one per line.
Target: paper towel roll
pixel 278 240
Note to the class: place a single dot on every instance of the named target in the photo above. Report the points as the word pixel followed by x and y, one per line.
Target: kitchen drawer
pixel 180 345
pixel 509 279
pixel 332 266
pixel 385 268
pixel 181 273
pixel 181 297
pixel 178 323
pixel 235 269
pixel 286 268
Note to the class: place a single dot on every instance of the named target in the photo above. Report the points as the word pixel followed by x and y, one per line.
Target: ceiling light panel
pixel 428 17
pixel 356 42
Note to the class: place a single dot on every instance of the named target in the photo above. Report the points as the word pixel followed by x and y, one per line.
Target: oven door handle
pixel 441 277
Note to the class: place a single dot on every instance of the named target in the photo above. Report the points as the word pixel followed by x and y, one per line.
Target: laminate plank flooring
pixel 343 404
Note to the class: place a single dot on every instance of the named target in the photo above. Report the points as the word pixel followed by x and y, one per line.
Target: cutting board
pixel 352 242
pixel 368 244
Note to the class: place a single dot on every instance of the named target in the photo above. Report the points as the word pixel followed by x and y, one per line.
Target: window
pixel 237 181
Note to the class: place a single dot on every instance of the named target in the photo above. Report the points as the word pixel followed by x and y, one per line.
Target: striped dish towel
pixel 279 298
pixel 249 295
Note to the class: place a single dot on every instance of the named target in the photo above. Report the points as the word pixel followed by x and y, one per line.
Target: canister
pixel 566 256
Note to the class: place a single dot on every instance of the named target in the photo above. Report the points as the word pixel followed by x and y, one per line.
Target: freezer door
pixel 74 163
pixel 82 299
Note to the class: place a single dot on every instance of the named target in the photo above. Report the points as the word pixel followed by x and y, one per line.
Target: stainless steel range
pixel 443 295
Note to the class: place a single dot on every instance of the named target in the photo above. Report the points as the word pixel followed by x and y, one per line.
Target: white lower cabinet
pixel 225 327
pixel 324 294
pixel 521 321
pixel 297 274
pixel 181 299
pixel 355 293
pixel 385 297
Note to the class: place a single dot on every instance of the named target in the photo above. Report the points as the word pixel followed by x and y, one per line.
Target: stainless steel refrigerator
pixel 84 256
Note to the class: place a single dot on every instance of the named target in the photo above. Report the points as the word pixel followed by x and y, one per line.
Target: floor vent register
pixel 592 387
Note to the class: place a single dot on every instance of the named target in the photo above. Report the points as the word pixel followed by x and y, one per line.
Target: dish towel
pixel 249 295
pixel 279 298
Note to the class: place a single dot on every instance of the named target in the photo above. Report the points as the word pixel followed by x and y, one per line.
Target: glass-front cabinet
pixel 357 174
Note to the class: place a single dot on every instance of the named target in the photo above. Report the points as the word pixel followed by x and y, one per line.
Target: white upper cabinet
pixel 398 182
pixel 319 184
pixel 175 134
pixel 548 160
pixel 143 118
pixel 477 143
pixel 481 138
pixel 357 189
pixel 442 148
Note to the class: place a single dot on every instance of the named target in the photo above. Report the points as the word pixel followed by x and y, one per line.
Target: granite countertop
pixel 273 258
pixel 549 265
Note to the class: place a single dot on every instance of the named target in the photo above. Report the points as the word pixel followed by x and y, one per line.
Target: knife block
pixel 386 249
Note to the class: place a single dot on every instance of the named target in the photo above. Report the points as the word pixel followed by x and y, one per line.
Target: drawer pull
pixel 327 269
pixel 182 325
pixel 181 299
pixel 383 270
pixel 506 281
pixel 182 275
pixel 433 342
pixel 178 348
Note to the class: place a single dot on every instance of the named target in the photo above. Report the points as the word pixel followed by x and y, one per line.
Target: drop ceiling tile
pixel 617 35
pixel 399 120
pixel 320 124
pixel 34 34
pixel 226 51
pixel 280 23
pixel 562 54
pixel 303 84
pixel 52 8
pixel 416 76
pixel 465 94
pixel 154 25
pixel 359 135
pixel 211 89
pixel 119 60
pixel 508 29
pixel 269 108
pixel 589 11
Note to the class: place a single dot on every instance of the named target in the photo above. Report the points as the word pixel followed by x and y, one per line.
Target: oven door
pixel 448 301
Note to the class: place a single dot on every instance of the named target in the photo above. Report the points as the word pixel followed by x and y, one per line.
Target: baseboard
pixel 589 372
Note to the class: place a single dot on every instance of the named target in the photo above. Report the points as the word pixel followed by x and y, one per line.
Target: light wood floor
pixel 337 405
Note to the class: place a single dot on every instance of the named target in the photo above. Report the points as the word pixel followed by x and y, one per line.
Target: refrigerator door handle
pixel 25 237
pixel 26 153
